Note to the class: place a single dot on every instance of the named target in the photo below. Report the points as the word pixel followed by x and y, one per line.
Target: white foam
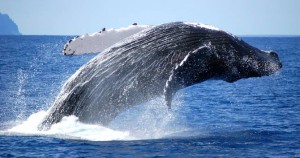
pixel 69 128
pixel 149 121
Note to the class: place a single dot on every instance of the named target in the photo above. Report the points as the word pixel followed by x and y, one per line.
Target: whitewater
pixel 149 121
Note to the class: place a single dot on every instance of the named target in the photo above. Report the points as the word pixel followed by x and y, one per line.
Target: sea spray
pixel 68 128
pixel 148 121
pixel 152 120
pixel 20 94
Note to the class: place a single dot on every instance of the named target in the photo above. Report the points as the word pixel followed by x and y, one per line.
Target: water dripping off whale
pixel 152 61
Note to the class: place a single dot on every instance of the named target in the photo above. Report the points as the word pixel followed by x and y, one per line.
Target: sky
pixel 76 17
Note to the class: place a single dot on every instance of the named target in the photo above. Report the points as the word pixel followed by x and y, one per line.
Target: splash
pixel 21 99
pixel 152 120
pixel 148 121
pixel 68 128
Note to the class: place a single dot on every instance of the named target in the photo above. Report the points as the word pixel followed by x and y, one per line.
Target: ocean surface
pixel 256 117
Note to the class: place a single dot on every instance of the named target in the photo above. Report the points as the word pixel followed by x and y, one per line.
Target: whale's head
pixel 245 61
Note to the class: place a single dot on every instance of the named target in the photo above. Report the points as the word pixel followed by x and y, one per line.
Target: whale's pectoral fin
pixel 189 71
pixel 174 83
pixel 99 41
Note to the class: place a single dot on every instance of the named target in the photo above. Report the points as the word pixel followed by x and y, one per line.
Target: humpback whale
pixel 153 61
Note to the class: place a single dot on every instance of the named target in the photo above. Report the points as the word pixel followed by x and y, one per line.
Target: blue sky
pixel 72 17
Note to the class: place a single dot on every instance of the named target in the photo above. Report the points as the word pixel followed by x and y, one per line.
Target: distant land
pixel 8 26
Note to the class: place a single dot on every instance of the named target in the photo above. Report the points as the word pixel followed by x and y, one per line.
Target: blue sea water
pixel 256 117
